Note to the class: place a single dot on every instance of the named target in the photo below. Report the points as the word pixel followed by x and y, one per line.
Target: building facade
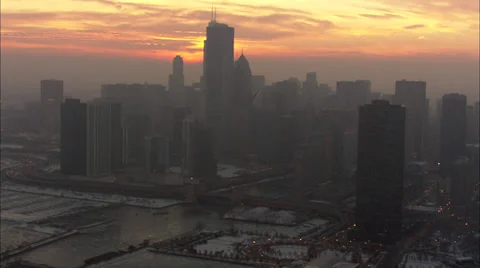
pixel 73 137
pixel 412 95
pixel 453 131
pixel 380 167
pixel 51 98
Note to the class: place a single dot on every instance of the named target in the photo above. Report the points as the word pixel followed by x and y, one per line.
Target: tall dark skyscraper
pixel 412 94
pixel 51 98
pixel 238 110
pixel 176 80
pixel 104 137
pixel 217 71
pixel 176 83
pixel 453 131
pixel 379 185
pixel 73 137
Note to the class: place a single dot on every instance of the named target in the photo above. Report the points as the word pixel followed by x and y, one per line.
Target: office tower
pixel 156 155
pixel 104 137
pixel 176 80
pixel 453 128
pixel 472 125
pixel 51 97
pixel 199 160
pixel 352 94
pixel 73 137
pixel 138 127
pixel 343 126
pixel 176 83
pixel 238 112
pixel 313 161
pixel 176 142
pixel 412 95
pixel 380 165
pixel 217 71
pixel 288 90
pixel 312 92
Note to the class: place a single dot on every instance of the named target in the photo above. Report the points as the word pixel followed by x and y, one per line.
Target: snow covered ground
pixel 97 197
pixel 262 215
pixel 20 207
pixel 289 231
pixel 11 146
pixel 225 244
pixel 13 237
pixel 7 163
pixel 289 251
pixel 227 171
pixel 420 261
pixel 330 258
pixel 52 168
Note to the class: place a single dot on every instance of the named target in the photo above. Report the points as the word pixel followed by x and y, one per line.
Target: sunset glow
pixel 266 28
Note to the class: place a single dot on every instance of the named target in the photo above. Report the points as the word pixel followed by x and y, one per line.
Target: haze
pixel 90 42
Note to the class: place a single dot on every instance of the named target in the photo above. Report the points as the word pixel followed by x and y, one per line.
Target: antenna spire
pixel 211 13
pixel 215 13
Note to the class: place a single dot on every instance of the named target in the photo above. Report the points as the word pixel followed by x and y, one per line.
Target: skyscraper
pixel 412 94
pixel 73 137
pixel 217 72
pixel 380 165
pixel 176 80
pixel 176 83
pixel 239 108
pixel 453 131
pixel 104 137
pixel 352 94
pixel 51 97
pixel 199 160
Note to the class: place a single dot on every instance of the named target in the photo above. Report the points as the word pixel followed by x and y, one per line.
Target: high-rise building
pixel 237 141
pixel 380 167
pixel 51 98
pixel 289 90
pixel 453 131
pixel 176 80
pixel 176 83
pixel 199 160
pixel 138 127
pixel 104 137
pixel 352 94
pixel 176 143
pixel 412 95
pixel 73 137
pixel 218 63
pixel 156 155
pixel 343 125
pixel 472 125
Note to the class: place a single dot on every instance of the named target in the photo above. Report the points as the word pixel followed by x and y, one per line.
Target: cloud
pixel 144 27
pixel 385 16
pixel 414 26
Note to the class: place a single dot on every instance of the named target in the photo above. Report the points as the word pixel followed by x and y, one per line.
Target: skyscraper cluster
pixel 322 135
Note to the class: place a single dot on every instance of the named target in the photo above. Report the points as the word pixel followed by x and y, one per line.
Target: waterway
pixel 130 226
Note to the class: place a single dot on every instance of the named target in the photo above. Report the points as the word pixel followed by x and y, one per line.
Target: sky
pixel 88 42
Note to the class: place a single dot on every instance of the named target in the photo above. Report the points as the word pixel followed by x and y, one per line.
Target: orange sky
pixel 265 28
